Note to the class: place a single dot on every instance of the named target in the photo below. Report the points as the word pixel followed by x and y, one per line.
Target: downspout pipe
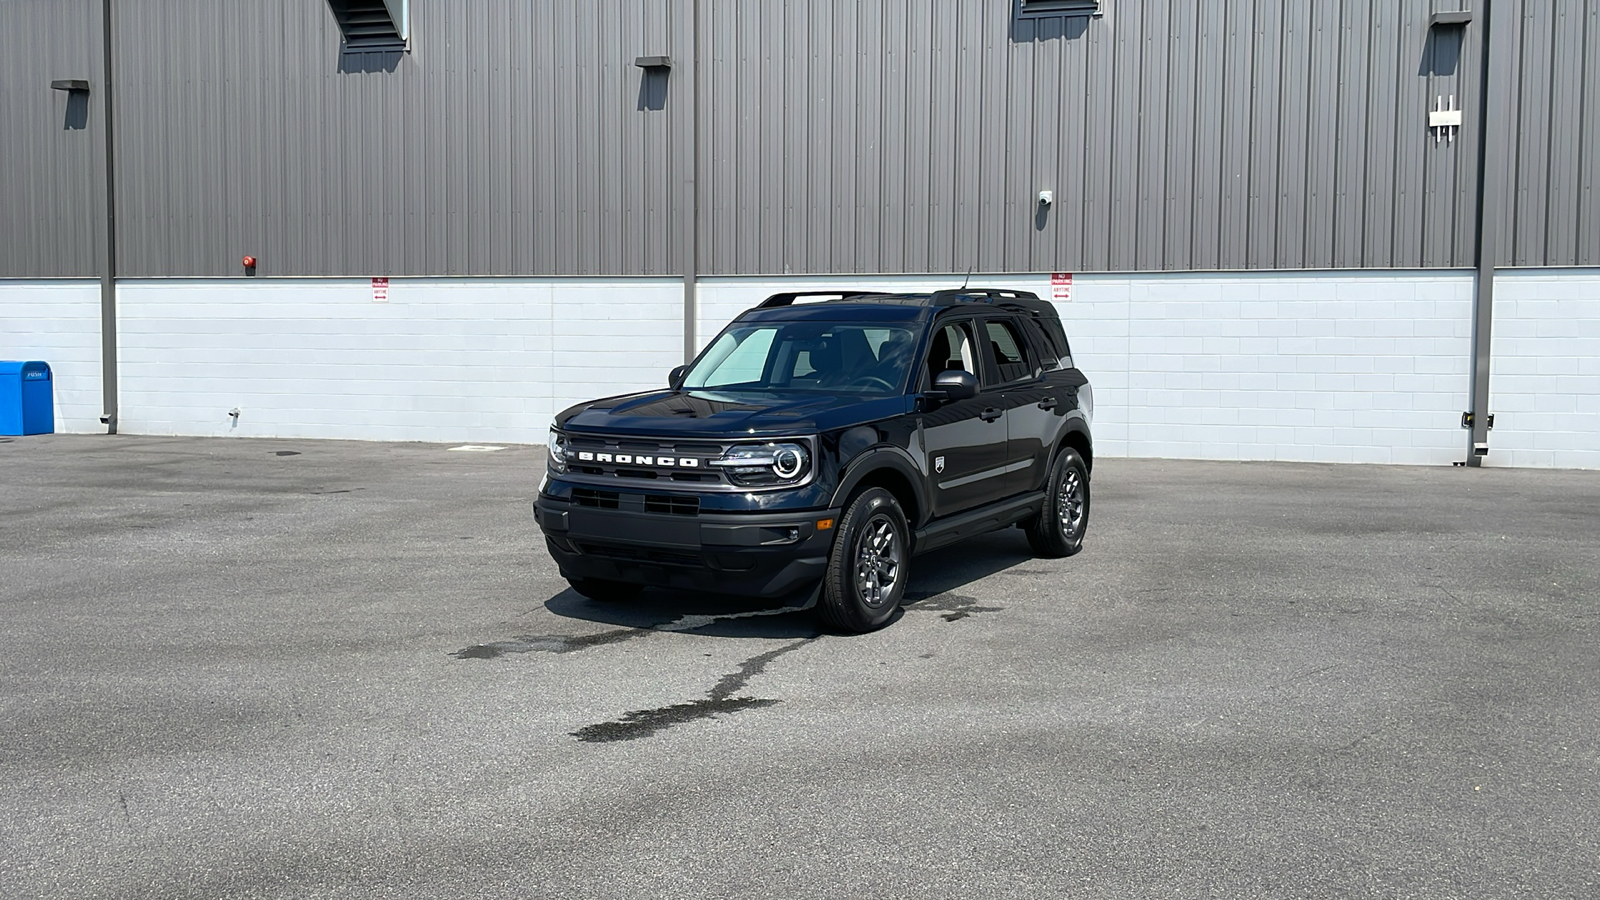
pixel 691 272
pixel 108 259
pixel 1490 174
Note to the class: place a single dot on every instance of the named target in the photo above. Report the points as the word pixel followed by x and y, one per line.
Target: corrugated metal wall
pixel 51 167
pixel 1550 204
pixel 517 138
pixel 912 136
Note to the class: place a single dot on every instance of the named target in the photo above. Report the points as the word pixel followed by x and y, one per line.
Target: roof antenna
pixel 968 278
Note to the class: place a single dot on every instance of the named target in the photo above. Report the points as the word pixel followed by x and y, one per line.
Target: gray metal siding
pixel 518 138
pixel 511 140
pixel 1237 134
pixel 51 187
pixel 1550 206
pixel 1588 213
pixel 1220 134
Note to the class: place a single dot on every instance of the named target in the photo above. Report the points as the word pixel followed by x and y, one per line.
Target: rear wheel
pixel 605 591
pixel 868 567
pixel 1059 528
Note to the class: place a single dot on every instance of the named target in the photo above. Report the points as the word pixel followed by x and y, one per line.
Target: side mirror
pixel 675 377
pixel 956 384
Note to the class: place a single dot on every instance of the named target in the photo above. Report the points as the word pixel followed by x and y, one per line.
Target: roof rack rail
pixel 788 297
pixel 988 295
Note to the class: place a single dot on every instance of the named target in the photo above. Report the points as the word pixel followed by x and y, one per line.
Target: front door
pixel 966 440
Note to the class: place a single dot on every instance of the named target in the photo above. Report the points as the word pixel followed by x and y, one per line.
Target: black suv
pixel 828 440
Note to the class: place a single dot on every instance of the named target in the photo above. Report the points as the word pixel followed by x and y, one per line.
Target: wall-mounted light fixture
pixel 1450 19
pixel 653 62
pixel 70 84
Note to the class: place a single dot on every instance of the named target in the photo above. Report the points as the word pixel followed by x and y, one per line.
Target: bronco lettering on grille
pixel 627 459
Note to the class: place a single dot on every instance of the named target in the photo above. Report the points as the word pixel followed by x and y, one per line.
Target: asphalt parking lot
pixel 247 668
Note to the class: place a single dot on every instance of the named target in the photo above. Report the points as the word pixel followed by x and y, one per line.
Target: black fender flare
pixel 877 459
pixel 1075 425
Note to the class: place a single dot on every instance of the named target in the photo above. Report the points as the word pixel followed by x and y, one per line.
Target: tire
pixel 605 591
pixel 1059 528
pixel 869 565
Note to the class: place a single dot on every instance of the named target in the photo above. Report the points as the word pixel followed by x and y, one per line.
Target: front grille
pixel 672 504
pixel 641 554
pixel 665 504
pixel 615 460
pixel 603 463
pixel 596 499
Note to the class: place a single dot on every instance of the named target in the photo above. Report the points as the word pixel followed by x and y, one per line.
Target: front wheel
pixel 868 567
pixel 1058 529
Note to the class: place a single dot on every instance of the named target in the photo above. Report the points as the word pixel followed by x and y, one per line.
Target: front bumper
pixel 749 554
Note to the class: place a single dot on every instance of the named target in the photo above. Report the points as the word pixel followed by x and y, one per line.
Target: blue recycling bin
pixel 26 403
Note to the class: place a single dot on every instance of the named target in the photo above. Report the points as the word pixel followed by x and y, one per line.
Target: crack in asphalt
pixel 549 643
pixel 720 699
pixel 953 606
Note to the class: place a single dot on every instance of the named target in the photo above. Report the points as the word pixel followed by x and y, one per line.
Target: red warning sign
pixel 1061 287
pixel 380 290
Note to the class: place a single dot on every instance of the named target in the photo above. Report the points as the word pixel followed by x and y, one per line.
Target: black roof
pixel 960 296
pixel 851 304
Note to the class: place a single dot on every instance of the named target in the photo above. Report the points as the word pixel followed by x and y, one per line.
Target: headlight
pixel 766 465
pixel 558 451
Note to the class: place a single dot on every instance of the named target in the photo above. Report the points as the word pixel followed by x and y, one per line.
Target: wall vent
pixel 371 25
pixel 1029 9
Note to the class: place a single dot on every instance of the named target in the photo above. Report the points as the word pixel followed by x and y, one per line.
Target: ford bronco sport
pixel 827 441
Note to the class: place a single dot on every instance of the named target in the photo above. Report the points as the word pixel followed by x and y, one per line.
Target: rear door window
pixel 1041 342
pixel 1007 352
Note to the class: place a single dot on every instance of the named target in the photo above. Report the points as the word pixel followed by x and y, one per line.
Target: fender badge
pixel 938 464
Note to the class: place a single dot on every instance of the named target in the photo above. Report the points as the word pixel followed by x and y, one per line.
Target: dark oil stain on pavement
pixel 287 453
pixel 645 722
pixel 720 699
pixel 548 643
pixel 953 606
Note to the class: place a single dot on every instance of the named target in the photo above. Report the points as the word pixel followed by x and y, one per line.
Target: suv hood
pixel 713 413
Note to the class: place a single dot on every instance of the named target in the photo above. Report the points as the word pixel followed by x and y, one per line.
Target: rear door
pixel 1031 405
pixel 965 441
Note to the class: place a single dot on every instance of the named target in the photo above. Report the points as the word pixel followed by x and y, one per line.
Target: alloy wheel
pixel 878 556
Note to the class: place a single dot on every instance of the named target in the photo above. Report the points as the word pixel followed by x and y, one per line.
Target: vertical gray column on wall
pixel 108 261
pixel 691 271
pixel 1490 189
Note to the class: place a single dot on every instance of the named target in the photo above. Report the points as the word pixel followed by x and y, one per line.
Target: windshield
pixel 833 357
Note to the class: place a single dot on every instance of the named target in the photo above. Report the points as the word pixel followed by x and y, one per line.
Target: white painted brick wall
pixel 58 322
pixel 1338 366
pixel 1544 376
pixel 442 360
pixel 1307 366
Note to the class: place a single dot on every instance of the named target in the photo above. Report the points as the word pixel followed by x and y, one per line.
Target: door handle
pixel 1047 403
pixel 989 414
